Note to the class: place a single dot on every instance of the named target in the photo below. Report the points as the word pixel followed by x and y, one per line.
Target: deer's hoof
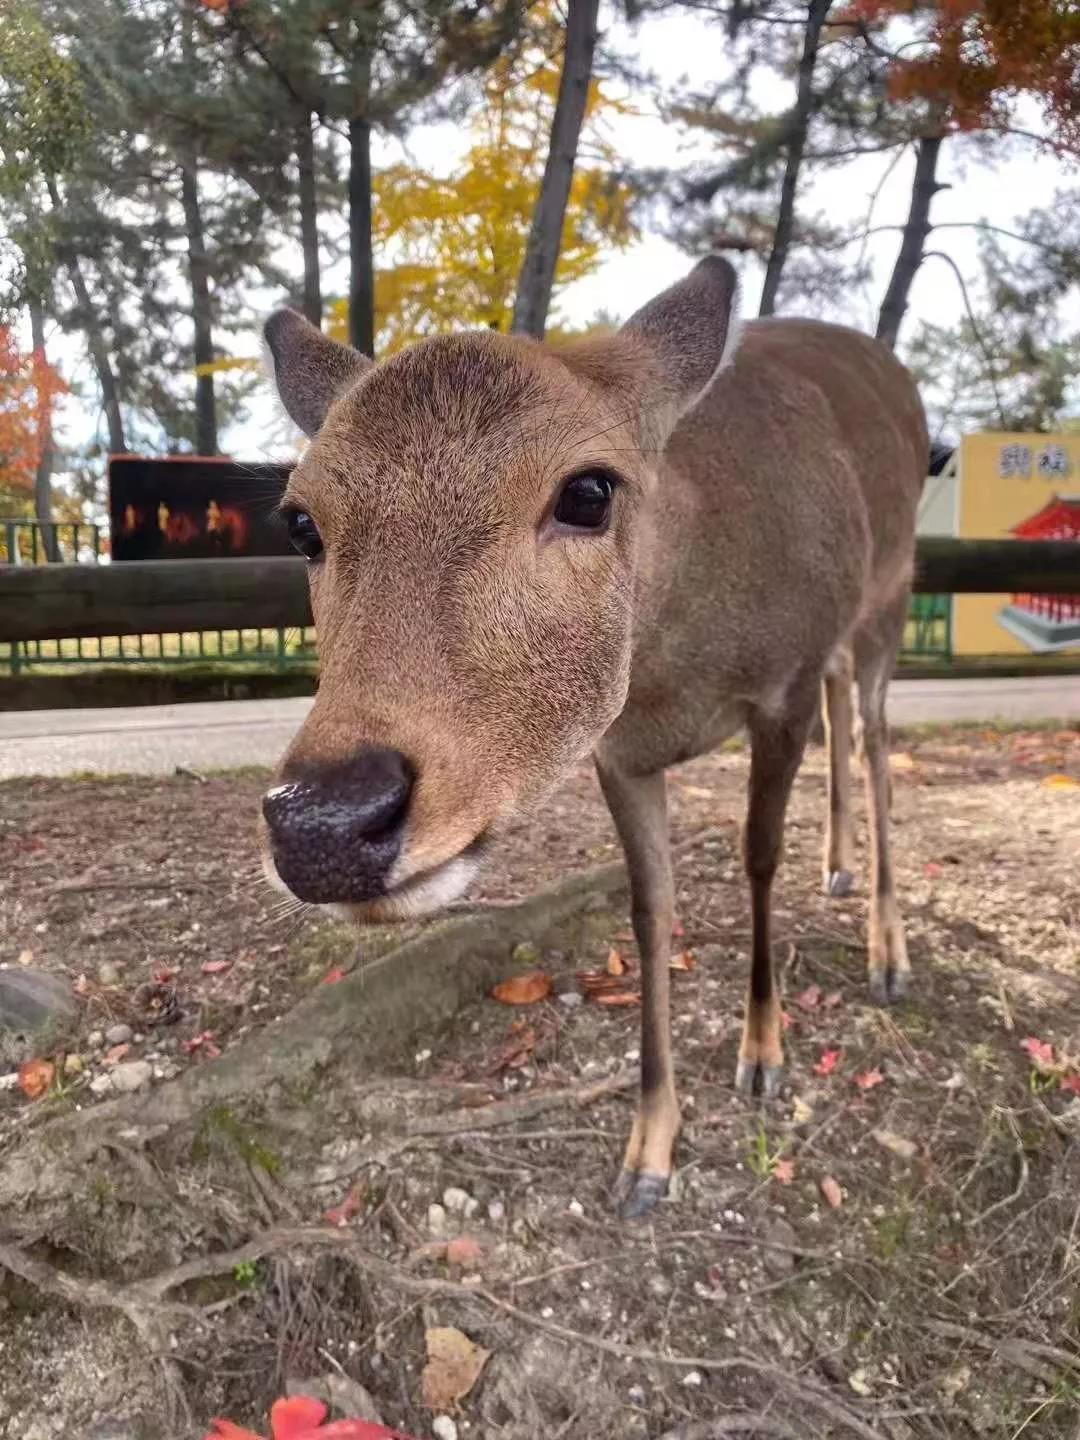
pixel 757 1080
pixel 638 1192
pixel 839 883
pixel 889 986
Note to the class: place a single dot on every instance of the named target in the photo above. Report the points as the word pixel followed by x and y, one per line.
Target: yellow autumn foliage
pixel 451 246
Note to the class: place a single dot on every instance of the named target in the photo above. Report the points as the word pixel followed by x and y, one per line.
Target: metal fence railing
pixel 32 542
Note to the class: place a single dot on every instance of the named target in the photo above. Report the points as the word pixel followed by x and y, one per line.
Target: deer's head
pixel 475 514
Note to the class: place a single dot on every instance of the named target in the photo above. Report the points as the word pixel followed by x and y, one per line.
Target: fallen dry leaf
pixel 810 998
pixel 464 1251
pixel 453 1368
pixel 801 1113
pixel 81 985
pixel 26 957
pixel 526 989
pixel 896 1144
pixel 784 1171
pixel 616 965
pixel 901 760
pixel 618 997
pixel 868 1079
pixel 216 967
pixel 1060 782
pixel 833 999
pixel 516 1050
pixel 349 1207
pixel 684 960
pixel 35 1077
pixel 832 1192
pixel 828 1062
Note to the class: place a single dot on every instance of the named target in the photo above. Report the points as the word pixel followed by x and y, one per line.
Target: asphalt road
pixel 155 739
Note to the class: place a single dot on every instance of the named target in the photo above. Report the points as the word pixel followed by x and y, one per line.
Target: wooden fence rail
pixel 58 602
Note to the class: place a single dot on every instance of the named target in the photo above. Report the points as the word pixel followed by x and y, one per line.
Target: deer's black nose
pixel 335 831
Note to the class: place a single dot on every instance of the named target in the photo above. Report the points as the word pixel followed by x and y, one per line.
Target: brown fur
pixel 766 541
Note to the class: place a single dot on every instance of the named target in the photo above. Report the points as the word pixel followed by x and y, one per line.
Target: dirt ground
pixel 890 1250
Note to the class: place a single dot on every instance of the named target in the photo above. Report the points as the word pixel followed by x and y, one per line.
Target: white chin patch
pixel 414 898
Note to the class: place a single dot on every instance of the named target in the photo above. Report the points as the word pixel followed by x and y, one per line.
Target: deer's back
pixel 785 515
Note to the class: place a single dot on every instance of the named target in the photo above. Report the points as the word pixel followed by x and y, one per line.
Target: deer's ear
pixel 309 369
pixel 690 332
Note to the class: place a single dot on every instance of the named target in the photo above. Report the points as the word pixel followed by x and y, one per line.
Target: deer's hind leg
pixel 777 743
pixel 838 868
pixel 876 648
pixel 638 805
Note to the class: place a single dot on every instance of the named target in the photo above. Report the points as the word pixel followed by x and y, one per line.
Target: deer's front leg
pixel 638 806
pixel 776 748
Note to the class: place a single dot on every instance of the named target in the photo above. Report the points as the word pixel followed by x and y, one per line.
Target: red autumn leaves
pixel 302 1418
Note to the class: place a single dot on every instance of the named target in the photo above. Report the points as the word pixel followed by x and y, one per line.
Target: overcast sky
pixel 996 182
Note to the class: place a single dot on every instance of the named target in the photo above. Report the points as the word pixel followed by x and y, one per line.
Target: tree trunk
pixel 199 272
pixel 361 259
pixel 916 229
pixel 43 473
pixel 95 338
pixel 309 218
pixel 545 237
pixel 800 124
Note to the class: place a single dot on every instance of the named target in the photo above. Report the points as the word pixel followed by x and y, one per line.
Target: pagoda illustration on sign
pixel 1047 622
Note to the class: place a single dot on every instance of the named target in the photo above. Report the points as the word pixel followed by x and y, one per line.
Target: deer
pixel 628 547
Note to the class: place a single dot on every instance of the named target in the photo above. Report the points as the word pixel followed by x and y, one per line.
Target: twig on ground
pixel 525 1107
pixel 1022 1178
pixel 68 887
pixel 1024 1354
pixel 753 1425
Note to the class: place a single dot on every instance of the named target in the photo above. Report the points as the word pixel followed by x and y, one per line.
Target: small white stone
pixel 95 1040
pixel 692 1378
pixel 443 1428
pixel 496 1211
pixel 546 1313
pixel 636 1395
pixel 576 1208
pixel 456 1200
pixel 422 1056
pixel 436 1219
pixel 118 1034
pixel 471 1207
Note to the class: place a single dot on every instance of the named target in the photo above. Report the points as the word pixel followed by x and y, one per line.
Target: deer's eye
pixel 585 502
pixel 304 534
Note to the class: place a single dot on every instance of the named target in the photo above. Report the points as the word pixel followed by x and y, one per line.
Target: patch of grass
pixel 761 1158
pixel 222 1128
pixel 246 1274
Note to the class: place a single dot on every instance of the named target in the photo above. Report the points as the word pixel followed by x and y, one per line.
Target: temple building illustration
pixel 1046 622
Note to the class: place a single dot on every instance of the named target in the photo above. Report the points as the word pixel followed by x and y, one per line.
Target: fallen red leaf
pixel 349 1207
pixel 1071 1084
pixel 464 1251
pixel 206 1044
pixel 1041 1051
pixel 616 965
pixel 35 1077
pixel 810 998
pixel 868 1079
pixel 784 1171
pixel 618 997
pixel 226 1430
pixel 163 975
pixel 292 1417
pixel 677 930
pixel 786 1020
pixel 832 1192
pixel 216 967
pixel 115 1054
pixel 828 1062
pixel 333 976
pixel 931 869
pixel 527 989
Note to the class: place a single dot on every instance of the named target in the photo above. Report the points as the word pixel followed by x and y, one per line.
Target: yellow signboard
pixel 1018 487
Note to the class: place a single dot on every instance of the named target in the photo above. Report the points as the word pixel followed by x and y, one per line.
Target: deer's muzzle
pixel 336 831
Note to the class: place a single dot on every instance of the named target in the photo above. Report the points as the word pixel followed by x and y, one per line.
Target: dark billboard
pixel 190 508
